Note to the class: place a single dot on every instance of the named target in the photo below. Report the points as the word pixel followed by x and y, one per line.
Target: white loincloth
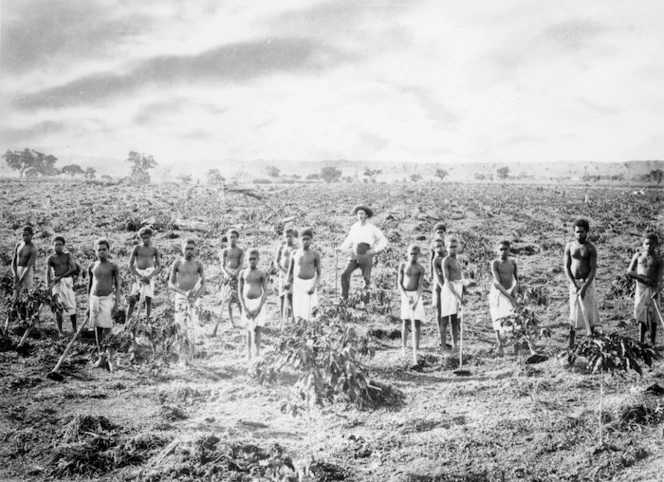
pixel 449 304
pixel 259 320
pixel 303 303
pixel 589 303
pixel 644 305
pixel 27 282
pixel 101 311
pixel 145 290
pixel 407 312
pixel 65 291
pixel 500 306
pixel 186 313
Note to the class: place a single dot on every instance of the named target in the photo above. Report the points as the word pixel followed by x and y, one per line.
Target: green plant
pixel 611 354
pixel 522 329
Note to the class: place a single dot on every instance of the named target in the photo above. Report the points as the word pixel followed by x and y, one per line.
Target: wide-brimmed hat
pixel 362 207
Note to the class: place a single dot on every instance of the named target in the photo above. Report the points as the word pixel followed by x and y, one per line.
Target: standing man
pixel 363 242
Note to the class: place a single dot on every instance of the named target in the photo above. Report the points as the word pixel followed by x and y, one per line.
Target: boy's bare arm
pixel 173 278
pixel 593 270
pixel 277 259
pixel 49 267
pixel 567 263
pixel 224 262
pixel 438 270
pixel 516 278
pixel 420 283
pixel 240 263
pixel 90 278
pixel 240 290
pixel 116 280
pixel 318 270
pixel 132 261
pixel 15 260
pixel 264 291
pixel 31 263
pixel 400 278
pixel 157 264
pixel 201 288
pixel 291 269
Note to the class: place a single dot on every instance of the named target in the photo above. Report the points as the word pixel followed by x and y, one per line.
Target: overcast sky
pixel 426 81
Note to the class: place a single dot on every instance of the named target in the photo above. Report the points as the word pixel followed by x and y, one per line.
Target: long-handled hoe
pixel 659 315
pixel 461 372
pixel 412 329
pixel 54 375
pixel 224 297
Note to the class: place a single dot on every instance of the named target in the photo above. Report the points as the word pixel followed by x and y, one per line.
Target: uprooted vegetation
pixel 364 414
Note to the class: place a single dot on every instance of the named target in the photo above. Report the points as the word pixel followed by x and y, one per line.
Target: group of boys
pixel 299 268
pixel 580 263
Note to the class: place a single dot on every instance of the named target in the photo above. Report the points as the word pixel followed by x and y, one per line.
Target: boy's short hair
pixel 253 251
pixel 415 247
pixel 189 241
pixel 28 228
pixel 291 231
pixel 145 230
pixel 651 237
pixel 438 240
pixel 224 239
pixel 103 241
pixel 306 232
pixel 582 223
pixel 449 239
pixel 59 238
pixel 439 226
pixel 505 242
pixel 235 232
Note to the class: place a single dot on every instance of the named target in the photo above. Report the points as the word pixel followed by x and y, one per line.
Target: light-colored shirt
pixel 367 234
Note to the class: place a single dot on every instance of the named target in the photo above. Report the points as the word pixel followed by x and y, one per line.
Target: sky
pixel 309 80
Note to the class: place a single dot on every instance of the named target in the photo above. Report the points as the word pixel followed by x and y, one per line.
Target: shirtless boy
pixel 253 292
pixel 303 276
pixel 60 267
pixel 647 269
pixel 232 259
pixel 104 292
pixel 438 280
pixel 439 231
pixel 23 262
pixel 451 294
pixel 410 276
pixel 580 267
pixel 144 264
pixel 282 258
pixel 187 280
pixel 502 299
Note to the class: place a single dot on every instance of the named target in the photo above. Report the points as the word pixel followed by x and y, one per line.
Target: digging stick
pixel 71 344
pixel 583 313
pixel 659 313
pixel 461 338
pixel 221 311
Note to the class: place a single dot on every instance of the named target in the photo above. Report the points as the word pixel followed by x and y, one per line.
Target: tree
pixel 442 174
pixel 656 175
pixel 272 171
pixel 106 178
pixel 90 173
pixel 140 163
pixel 184 178
pixel 415 177
pixel 31 162
pixel 214 177
pixel 372 174
pixel 313 177
pixel 503 172
pixel 330 174
pixel 72 170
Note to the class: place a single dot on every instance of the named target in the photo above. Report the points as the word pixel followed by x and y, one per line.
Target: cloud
pixel 228 63
pixel 36 33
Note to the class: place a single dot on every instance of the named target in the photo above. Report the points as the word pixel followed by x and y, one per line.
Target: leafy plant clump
pixel 522 329
pixel 326 356
pixel 613 353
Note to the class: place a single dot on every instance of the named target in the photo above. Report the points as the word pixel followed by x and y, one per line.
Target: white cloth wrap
pixel 65 291
pixel 499 306
pixel 589 303
pixel 303 303
pixel 449 305
pixel 417 313
pixel 101 309
pixel 644 305
pixel 146 290
pixel 27 282
pixel 259 320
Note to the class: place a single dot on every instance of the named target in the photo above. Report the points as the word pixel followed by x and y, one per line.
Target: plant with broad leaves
pixel 609 355
pixel 28 305
pixel 326 354
pixel 522 329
